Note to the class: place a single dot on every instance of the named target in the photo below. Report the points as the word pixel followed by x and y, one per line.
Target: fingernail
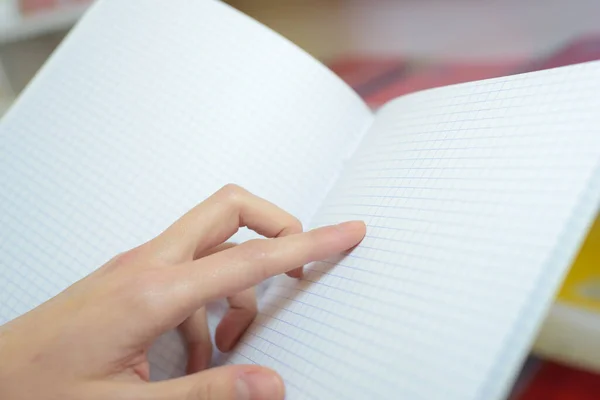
pixel 259 385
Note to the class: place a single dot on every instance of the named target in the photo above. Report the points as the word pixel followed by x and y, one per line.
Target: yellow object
pixel 581 287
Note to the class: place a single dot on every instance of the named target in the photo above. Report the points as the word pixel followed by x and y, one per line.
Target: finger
pixel 239 382
pixel 295 273
pixel 197 337
pixel 195 329
pixel 217 218
pixel 243 309
pixel 236 269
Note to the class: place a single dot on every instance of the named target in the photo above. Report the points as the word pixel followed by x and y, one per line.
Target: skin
pixel 91 341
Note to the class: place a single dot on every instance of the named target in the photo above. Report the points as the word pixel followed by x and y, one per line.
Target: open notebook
pixel 476 196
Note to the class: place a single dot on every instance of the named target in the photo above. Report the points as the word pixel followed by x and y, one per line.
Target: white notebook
pixel 476 196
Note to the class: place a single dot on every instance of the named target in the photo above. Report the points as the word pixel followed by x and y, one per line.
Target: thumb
pixel 234 382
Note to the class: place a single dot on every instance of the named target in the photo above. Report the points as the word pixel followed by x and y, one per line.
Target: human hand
pixel 91 340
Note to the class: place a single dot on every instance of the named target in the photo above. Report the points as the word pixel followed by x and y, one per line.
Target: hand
pixel 91 340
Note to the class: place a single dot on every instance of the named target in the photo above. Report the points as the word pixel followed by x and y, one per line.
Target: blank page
pixel 476 197
pixel 147 109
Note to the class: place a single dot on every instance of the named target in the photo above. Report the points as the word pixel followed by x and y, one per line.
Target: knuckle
pixel 204 390
pixel 122 259
pixel 258 250
pixel 232 193
pixel 260 255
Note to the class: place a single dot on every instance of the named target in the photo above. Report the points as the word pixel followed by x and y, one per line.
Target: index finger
pixel 236 269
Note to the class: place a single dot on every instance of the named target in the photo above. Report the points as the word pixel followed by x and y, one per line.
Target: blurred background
pixel 384 49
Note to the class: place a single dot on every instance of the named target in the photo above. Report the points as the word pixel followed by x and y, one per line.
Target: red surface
pixel 435 76
pixel 28 7
pixel 358 71
pixel 379 80
pixel 582 50
pixel 553 381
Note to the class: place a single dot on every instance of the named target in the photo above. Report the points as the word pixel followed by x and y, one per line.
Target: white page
pixel 476 198
pixel 147 109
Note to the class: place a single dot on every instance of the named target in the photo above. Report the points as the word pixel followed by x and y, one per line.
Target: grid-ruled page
pixel 146 110
pixel 476 198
